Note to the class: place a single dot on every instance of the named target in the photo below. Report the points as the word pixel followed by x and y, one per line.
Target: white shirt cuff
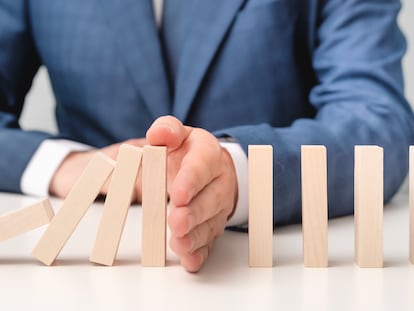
pixel 241 213
pixel 45 161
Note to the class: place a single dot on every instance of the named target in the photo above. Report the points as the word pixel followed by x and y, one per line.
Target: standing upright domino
pixel 154 206
pixel 411 195
pixel 25 219
pixel 80 197
pixel 117 203
pixel 314 206
pixel 369 204
pixel 260 206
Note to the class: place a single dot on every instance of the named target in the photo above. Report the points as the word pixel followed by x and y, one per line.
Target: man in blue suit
pixel 235 72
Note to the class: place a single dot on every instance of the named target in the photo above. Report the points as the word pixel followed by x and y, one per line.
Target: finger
pixel 208 231
pixel 199 237
pixel 199 166
pixel 167 131
pixel 208 203
pixel 181 246
pixel 193 262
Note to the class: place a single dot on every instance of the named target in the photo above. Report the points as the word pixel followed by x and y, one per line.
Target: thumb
pixel 167 131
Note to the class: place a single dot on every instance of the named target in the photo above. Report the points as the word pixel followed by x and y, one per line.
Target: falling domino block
pixel 368 213
pixel 74 208
pixel 25 219
pixel 314 206
pixel 260 206
pixel 411 200
pixel 117 203
pixel 154 205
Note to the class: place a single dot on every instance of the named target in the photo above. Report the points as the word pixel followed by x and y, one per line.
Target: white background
pixel 38 111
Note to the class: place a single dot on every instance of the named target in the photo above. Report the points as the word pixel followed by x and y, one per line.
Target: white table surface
pixel 225 282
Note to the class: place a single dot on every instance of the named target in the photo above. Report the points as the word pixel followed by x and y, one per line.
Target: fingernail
pixel 165 126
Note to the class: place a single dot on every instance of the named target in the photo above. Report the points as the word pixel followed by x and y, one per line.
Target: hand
pixel 73 165
pixel 202 186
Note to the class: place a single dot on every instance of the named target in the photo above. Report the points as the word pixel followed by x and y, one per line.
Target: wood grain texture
pixel 314 206
pixel 369 204
pixel 117 203
pixel 260 206
pixel 154 206
pixel 25 219
pixel 73 209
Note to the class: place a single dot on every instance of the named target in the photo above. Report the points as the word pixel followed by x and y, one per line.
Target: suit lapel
pixel 210 22
pixel 135 32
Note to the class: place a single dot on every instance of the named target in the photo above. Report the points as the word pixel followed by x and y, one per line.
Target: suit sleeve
pixel 359 100
pixel 18 65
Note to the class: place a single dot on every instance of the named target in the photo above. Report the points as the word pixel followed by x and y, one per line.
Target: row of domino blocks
pixel 124 173
pixel 368 207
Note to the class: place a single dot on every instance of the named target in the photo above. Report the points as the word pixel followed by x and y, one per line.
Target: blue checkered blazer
pixel 280 72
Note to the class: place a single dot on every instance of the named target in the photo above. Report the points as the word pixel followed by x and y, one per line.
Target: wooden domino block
pixel 25 219
pixel 81 196
pixel 154 206
pixel 411 200
pixel 369 204
pixel 314 206
pixel 260 206
pixel 117 203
